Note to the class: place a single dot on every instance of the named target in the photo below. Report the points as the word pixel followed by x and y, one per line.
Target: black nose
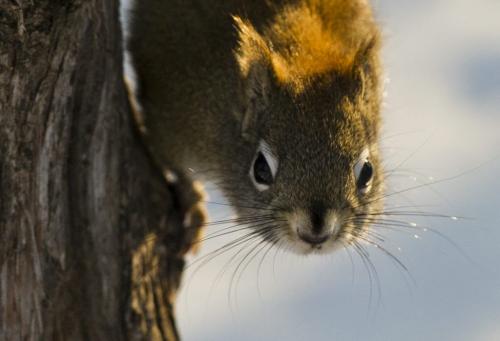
pixel 316 233
pixel 318 212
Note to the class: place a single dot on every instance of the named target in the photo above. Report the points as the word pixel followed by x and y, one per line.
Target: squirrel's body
pixel 184 54
pixel 274 101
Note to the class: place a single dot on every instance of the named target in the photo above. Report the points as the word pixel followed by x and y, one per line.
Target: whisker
pixel 241 220
pixel 256 233
pixel 272 243
pixel 447 239
pixel 226 247
pixel 346 248
pixel 412 154
pixel 370 269
pixel 386 252
pixel 235 278
pixel 250 227
pixel 227 264
pixel 447 179
pixel 241 206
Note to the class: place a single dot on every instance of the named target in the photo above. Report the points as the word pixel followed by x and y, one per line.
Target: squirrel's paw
pixel 190 198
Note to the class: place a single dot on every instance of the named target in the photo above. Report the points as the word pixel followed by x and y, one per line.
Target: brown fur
pixel 216 77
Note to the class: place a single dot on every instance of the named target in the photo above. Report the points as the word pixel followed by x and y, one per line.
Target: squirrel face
pixel 315 169
pixel 313 165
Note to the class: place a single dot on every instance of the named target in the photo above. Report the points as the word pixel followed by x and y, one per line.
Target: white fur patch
pixel 299 220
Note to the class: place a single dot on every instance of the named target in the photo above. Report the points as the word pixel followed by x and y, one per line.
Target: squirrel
pixel 277 103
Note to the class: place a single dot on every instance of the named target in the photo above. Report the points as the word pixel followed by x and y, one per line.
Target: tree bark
pixel 91 240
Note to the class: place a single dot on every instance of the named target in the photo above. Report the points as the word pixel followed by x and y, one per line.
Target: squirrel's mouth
pixel 312 239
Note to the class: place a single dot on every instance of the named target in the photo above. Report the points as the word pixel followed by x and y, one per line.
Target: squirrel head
pixel 310 118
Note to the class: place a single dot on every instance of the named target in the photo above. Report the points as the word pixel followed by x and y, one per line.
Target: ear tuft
pixel 368 51
pixel 251 46
pixel 252 56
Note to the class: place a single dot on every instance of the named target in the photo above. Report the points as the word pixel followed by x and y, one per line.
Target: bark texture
pixel 91 243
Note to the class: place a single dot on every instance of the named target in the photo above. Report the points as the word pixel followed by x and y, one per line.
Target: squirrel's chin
pixel 302 248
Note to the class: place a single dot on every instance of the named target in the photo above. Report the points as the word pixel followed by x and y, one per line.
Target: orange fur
pixel 306 40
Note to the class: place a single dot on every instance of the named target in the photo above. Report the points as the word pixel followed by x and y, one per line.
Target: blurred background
pixel 441 135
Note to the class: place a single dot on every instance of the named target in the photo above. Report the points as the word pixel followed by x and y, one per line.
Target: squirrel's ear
pixel 251 46
pixel 367 54
pixel 255 92
pixel 252 57
pixel 366 67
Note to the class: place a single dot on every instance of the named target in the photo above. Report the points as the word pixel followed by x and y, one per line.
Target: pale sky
pixel 442 115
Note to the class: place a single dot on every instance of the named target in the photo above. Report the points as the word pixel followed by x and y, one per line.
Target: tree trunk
pixel 91 245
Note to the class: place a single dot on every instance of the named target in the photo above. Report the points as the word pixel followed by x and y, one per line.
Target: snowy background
pixel 442 116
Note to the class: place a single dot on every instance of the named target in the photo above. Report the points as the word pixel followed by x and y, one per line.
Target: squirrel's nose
pixel 317 232
pixel 317 213
pixel 317 220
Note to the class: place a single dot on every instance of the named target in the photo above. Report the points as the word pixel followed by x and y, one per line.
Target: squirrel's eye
pixel 264 168
pixel 363 171
pixel 261 170
pixel 366 175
